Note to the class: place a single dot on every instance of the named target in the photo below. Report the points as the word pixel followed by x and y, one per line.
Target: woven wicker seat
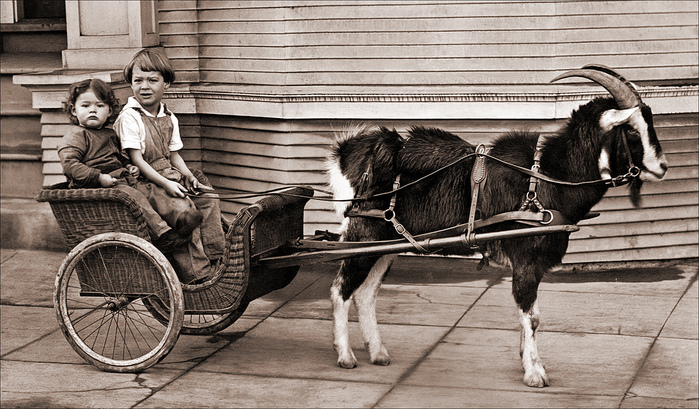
pixel 257 230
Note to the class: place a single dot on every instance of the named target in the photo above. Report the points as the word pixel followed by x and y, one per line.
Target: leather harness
pixel 526 213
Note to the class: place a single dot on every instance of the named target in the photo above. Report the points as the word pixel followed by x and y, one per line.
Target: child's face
pixel 148 88
pixel 90 110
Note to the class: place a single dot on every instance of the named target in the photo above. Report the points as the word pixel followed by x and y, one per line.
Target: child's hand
pixel 193 183
pixel 134 170
pixel 174 189
pixel 106 180
pixel 196 187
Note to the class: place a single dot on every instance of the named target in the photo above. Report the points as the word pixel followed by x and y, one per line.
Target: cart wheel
pixel 197 324
pixel 100 295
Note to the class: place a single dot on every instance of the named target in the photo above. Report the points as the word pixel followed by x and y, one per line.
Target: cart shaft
pixel 427 244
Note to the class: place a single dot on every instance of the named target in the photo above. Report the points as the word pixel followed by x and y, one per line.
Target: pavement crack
pixel 422 297
pixel 102 389
pixel 142 382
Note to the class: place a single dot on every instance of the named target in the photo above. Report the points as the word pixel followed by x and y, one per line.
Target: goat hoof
pixel 536 378
pixel 349 364
pixel 347 360
pixel 382 358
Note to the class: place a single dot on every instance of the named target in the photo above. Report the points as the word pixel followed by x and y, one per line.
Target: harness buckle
pixel 400 229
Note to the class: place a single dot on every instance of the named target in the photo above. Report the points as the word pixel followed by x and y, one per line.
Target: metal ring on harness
pixel 388 215
pixel 544 221
pixel 531 196
pixel 634 171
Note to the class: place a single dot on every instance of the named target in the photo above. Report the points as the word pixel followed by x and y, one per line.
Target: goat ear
pixel 615 117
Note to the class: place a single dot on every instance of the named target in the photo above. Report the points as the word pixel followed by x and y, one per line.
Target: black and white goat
pixel 589 146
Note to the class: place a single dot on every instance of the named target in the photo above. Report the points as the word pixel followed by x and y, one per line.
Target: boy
pixel 149 134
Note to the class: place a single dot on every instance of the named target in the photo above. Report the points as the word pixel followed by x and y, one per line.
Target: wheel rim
pixel 194 323
pixel 103 313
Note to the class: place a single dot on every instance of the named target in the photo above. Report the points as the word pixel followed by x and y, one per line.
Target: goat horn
pixel 621 92
pixel 604 68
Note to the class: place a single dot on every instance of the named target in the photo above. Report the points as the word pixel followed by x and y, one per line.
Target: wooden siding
pixel 399 43
pixel 255 155
pixel 265 49
pixel 178 24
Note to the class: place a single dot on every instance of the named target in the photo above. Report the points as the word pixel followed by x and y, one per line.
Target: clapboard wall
pixel 267 53
pixel 407 43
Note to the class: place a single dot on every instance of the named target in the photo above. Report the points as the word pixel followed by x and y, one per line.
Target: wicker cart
pixel 117 298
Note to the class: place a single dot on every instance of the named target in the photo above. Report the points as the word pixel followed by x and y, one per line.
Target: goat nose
pixel 663 166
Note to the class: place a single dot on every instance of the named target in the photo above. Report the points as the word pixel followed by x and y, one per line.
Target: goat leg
pixel 525 283
pixel 365 302
pixel 534 371
pixel 341 306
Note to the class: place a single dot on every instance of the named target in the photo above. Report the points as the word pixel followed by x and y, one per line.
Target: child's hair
pixel 150 59
pixel 102 91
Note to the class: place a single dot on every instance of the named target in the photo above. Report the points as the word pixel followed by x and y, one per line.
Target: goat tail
pixel 351 131
pixel 338 181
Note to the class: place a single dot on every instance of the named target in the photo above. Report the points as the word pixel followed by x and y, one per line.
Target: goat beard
pixel 635 191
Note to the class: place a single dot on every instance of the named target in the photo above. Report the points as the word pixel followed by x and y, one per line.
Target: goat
pixel 589 146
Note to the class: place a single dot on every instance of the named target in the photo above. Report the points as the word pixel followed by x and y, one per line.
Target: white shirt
pixel 132 132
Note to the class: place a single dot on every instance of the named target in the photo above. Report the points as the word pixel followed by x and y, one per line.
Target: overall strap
pixel 158 135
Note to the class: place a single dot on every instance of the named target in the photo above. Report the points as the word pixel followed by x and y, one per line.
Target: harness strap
pixel 390 216
pixel 633 169
pixel 531 197
pixel 528 218
pixel 534 181
pixel 478 177
pixel 552 217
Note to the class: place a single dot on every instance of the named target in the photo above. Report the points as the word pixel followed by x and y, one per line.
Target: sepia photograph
pixel 349 204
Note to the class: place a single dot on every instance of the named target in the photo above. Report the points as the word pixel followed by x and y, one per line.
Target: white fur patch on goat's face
pixel 655 164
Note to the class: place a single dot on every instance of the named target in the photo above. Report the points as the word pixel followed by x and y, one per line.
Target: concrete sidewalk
pixel 622 338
